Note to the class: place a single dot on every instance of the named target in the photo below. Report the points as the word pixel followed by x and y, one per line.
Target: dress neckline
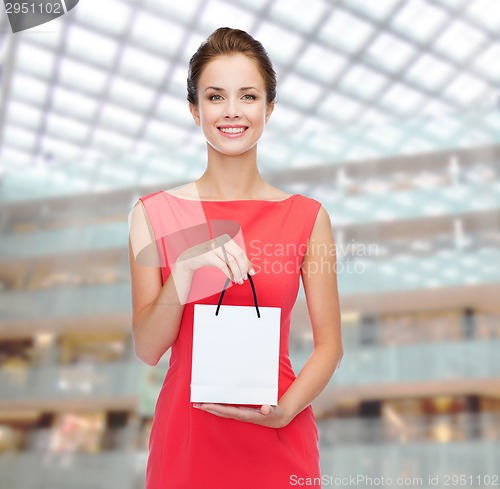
pixel 238 200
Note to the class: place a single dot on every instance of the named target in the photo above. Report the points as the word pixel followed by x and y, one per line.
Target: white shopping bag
pixel 235 353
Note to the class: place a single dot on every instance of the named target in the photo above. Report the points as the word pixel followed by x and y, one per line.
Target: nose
pixel 232 109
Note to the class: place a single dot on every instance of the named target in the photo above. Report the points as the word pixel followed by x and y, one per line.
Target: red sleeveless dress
pixel 193 449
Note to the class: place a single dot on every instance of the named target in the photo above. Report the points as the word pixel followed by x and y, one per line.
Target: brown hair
pixel 225 40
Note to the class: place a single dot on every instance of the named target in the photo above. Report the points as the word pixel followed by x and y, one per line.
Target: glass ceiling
pixel 96 99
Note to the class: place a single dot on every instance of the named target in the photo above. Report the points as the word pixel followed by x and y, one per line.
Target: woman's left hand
pixel 267 415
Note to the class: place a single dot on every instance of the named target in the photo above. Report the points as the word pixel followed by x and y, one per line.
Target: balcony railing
pixel 407 363
pixel 91 381
pixel 107 470
pixel 429 465
pixel 406 429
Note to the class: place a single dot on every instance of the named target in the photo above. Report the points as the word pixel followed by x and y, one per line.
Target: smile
pixel 232 131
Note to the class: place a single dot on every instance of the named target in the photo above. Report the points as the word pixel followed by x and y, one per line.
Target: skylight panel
pixel 312 124
pixel 294 14
pixel 131 94
pixel 363 81
pixel 90 46
pixel 183 10
pixel 487 12
pixel 19 137
pixel 33 60
pixel 374 117
pixel 28 89
pixel 112 15
pixel 156 33
pixel 337 107
pixel 22 114
pixel 346 31
pixel 73 103
pixel 217 14
pixel 378 10
pixel 120 119
pixel 289 43
pixel 332 144
pixel 430 20
pixel 111 141
pixel 429 71
pixel 388 51
pixel 385 135
pixel 139 64
pixel 320 63
pixel 443 128
pixel 402 99
pixel 454 4
pixel 488 62
pixel 58 148
pixel 256 5
pixel 174 110
pixel 66 128
pixel 284 118
pixel 437 107
pixel 459 41
pixel 41 35
pixel 190 46
pixel 81 76
pixel 466 89
pixel 13 157
pixel 299 92
pixel 163 133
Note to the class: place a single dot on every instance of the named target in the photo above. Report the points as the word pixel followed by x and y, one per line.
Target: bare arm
pixel 320 285
pixel 156 310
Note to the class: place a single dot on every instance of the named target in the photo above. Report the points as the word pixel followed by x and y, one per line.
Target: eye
pixel 252 97
pixel 211 97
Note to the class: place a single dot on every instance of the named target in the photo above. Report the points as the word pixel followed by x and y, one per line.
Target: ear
pixel 195 113
pixel 269 110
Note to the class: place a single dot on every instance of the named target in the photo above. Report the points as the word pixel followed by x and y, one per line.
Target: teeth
pixel 232 130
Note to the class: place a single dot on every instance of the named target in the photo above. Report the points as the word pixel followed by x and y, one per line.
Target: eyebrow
pixel 242 89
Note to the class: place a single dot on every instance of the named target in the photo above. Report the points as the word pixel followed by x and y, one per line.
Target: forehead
pixel 236 68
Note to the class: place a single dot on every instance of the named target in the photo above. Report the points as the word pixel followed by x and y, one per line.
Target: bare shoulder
pixel 186 191
pixel 276 193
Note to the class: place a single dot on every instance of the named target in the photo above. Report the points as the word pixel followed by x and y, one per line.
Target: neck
pixel 230 177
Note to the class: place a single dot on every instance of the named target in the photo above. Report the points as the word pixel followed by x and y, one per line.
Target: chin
pixel 231 152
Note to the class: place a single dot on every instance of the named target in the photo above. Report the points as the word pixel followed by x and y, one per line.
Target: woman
pixel 231 93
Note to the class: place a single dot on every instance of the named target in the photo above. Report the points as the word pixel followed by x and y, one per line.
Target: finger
pixel 232 248
pixel 231 263
pixel 266 409
pixel 214 260
pixel 244 263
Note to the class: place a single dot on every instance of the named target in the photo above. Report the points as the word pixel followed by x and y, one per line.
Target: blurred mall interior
pixel 388 114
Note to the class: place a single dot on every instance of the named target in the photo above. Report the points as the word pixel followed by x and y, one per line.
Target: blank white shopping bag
pixel 235 353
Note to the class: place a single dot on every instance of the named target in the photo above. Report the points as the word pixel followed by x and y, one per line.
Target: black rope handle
pixel 224 291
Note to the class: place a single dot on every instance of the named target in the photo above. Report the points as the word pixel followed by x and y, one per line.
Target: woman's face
pixel 232 109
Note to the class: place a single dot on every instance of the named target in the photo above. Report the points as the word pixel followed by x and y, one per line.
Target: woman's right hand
pixel 221 252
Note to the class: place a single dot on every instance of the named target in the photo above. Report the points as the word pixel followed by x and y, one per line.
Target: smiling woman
pixel 231 92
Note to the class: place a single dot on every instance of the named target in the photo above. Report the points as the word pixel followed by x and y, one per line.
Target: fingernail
pixel 252 271
pixel 240 281
pixel 246 276
pixel 197 405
